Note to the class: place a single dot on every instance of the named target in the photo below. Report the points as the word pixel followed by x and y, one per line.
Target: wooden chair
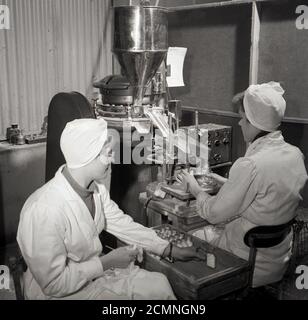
pixel 266 237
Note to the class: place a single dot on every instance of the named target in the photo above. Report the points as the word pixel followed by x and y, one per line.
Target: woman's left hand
pixel 192 185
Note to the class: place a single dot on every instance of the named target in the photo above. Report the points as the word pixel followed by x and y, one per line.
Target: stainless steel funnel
pixel 140 44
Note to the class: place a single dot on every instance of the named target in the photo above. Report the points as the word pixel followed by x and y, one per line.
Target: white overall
pixel 263 189
pixel 60 243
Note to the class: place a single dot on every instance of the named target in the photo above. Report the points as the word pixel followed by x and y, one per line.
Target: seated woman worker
pixel 60 223
pixel 263 187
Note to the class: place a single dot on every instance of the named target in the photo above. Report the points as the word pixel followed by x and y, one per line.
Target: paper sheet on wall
pixel 175 59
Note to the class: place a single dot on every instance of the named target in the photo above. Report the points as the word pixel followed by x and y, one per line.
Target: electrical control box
pixel 218 138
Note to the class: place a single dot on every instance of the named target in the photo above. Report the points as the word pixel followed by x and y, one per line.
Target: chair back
pixel 64 107
pixel 264 237
pixel 267 236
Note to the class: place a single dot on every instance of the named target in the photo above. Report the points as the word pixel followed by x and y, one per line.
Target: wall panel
pixel 218 57
pixel 283 54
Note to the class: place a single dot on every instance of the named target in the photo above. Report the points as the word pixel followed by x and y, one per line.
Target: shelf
pixel 213 4
pixel 230 114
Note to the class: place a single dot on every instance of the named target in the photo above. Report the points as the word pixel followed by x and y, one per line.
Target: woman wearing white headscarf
pixel 263 187
pixel 60 223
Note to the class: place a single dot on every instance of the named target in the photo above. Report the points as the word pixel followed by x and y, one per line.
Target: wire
pixel 169 97
pixel 146 209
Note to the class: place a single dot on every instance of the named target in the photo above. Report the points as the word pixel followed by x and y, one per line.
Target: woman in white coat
pixel 60 223
pixel 263 187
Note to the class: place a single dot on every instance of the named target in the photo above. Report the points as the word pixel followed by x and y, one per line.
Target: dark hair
pixel 239 106
pixel 237 102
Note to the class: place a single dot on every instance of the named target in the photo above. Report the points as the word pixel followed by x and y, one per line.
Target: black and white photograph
pixel 153 151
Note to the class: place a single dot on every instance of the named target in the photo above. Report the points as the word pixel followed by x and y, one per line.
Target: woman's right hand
pixel 119 258
pixel 218 179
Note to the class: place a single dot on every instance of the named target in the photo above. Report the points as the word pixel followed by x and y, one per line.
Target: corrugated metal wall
pixel 52 46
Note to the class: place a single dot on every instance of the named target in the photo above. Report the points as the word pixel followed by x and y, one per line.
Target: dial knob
pixel 217 157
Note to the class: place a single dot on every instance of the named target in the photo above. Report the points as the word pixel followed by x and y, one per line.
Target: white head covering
pixel 82 140
pixel 264 105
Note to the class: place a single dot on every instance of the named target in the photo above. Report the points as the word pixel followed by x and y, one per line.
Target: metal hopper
pixel 140 44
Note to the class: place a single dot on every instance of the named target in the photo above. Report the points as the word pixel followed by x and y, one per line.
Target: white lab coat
pixel 263 189
pixel 60 243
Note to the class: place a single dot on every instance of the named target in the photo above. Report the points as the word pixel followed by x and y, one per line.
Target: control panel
pixel 219 140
